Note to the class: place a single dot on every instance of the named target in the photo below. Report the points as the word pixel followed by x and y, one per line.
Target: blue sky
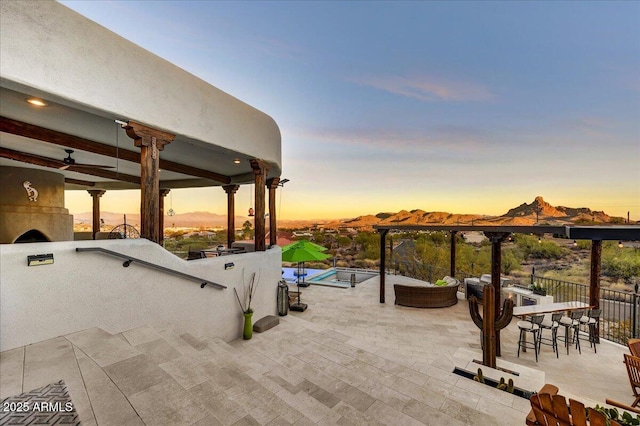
pixel 464 107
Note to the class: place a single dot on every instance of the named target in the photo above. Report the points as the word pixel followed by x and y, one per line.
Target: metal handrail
pixel 129 260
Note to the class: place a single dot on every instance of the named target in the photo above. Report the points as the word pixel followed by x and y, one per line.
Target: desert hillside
pixel 538 211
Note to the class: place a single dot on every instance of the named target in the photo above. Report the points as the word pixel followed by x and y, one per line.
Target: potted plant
pixel 538 289
pixel 247 311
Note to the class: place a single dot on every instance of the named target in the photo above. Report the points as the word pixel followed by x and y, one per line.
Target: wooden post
pixel 163 193
pixel 151 142
pixel 272 184
pixel 452 262
pixel 496 239
pixel 260 170
pixel 231 213
pixel 96 194
pixel 383 234
pixel 490 323
pixel 594 282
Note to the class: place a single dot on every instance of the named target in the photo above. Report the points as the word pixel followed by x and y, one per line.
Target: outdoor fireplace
pixel 32 206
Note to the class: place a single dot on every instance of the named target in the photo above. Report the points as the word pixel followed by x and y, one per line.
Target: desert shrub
pixel 531 246
pixel 621 263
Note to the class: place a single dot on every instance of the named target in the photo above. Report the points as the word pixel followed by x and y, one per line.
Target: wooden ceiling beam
pixel 32 131
pixel 79 182
pixel 55 164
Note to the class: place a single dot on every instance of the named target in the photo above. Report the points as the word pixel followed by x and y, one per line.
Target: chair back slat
pixel 634 346
pixel 561 410
pixel 578 412
pixel 598 419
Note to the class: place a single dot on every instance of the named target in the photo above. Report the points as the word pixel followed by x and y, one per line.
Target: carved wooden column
pixel 96 194
pixel 594 282
pixel 151 142
pixel 163 193
pixel 496 239
pixel 231 212
pixel 383 234
pixel 260 170
pixel 452 262
pixel 272 184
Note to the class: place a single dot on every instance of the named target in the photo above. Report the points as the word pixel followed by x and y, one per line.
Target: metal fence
pixel 619 318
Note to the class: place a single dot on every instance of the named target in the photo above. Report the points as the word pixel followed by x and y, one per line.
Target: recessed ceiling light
pixel 236 161
pixel 37 102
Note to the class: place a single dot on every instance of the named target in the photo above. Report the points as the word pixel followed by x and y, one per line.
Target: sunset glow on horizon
pixel 460 107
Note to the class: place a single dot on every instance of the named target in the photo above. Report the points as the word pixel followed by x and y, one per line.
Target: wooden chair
pixel 634 346
pixel 553 410
pixel 633 371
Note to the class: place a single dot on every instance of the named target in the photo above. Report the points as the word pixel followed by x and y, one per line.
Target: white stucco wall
pixel 84 290
pixel 52 49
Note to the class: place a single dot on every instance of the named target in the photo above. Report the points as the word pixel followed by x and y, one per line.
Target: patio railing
pixel 619 319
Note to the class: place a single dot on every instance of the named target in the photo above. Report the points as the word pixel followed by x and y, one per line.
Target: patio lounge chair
pixel 634 346
pixel 425 296
pixel 553 409
pixel 633 370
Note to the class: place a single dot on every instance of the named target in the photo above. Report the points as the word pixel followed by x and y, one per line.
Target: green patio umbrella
pixel 304 243
pixel 299 252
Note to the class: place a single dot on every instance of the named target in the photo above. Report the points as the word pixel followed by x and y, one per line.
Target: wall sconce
pixel 40 259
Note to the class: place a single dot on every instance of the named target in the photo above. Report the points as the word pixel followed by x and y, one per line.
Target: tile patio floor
pixel 347 360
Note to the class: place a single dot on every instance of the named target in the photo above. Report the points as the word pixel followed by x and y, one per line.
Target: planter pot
pixel 540 292
pixel 247 332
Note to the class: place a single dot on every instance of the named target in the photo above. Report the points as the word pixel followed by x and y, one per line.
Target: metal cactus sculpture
pixel 489 324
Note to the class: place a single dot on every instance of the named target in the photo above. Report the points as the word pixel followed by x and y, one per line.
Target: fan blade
pixel 92 166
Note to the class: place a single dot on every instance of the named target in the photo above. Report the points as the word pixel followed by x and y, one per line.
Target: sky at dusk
pixel 463 107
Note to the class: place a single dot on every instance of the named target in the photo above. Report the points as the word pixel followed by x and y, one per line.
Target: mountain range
pixel 538 211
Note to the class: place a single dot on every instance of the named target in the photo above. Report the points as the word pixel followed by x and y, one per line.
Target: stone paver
pixel 347 360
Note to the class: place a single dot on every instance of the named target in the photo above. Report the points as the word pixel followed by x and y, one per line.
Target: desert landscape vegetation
pixel 354 242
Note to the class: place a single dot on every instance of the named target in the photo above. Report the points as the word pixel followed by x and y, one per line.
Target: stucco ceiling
pixel 102 128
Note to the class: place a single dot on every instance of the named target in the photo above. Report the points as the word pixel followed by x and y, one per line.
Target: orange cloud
pixel 430 88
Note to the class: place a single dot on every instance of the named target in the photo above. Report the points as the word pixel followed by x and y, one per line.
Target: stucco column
pixel 260 171
pixel 163 193
pixel 96 194
pixel 272 184
pixel 231 212
pixel 151 142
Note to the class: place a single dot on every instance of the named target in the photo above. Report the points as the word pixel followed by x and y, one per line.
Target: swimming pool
pixel 332 277
pixel 341 277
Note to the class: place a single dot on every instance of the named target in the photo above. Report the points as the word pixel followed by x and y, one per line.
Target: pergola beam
pixel 38 160
pixel 55 137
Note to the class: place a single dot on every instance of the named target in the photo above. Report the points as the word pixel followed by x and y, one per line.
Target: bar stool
pixel 532 326
pixel 572 321
pixel 550 324
pixel 591 321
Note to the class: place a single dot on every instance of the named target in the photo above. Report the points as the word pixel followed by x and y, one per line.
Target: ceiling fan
pixel 68 161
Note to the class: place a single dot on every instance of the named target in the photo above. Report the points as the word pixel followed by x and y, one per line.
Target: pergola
pixel 144 122
pixel 498 234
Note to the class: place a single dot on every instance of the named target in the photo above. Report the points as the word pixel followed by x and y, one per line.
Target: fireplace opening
pixel 32 236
